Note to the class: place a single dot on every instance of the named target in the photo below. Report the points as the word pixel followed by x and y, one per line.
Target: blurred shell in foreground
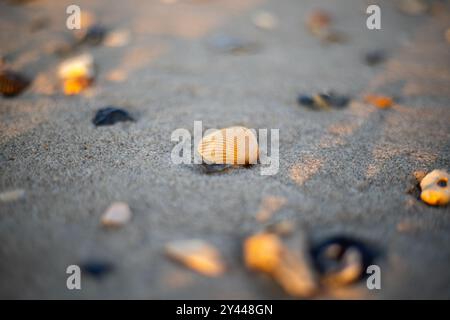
pixel 12 83
pixel 435 189
pixel 197 255
pixel 234 145
pixel 77 73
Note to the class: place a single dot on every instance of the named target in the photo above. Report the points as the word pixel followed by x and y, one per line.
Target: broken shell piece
pixel 323 101
pixel 117 38
pixel 77 73
pixel 265 252
pixel 234 145
pixel 12 83
pixel 265 20
pixel 262 252
pixel 197 255
pixel 435 188
pixel 341 260
pixel 116 215
pixel 379 101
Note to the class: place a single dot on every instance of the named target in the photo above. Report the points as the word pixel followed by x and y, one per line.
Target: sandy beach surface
pixel 345 171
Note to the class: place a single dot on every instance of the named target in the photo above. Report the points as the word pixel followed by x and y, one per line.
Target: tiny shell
pixel 12 83
pixel 435 188
pixel 78 67
pixel 116 215
pixel 265 20
pixel 234 145
pixel 197 255
pixel 379 101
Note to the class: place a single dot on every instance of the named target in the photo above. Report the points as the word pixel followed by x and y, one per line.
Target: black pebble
pixel 374 58
pixel 97 269
pixel 94 35
pixel 325 264
pixel 110 115
pixel 305 100
pixel 330 98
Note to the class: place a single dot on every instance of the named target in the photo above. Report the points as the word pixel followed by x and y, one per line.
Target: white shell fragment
pixel 117 38
pixel 78 67
pixel 117 214
pixel 13 195
pixel 265 20
pixel 234 145
pixel 196 255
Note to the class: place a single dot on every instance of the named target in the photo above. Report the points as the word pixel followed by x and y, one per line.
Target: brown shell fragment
pixel 197 255
pixel 12 83
pixel 265 252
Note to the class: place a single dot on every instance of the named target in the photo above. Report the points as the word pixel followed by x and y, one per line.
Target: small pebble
pixel 379 101
pixel 265 20
pixel 323 101
pixel 117 215
pixel 12 83
pixel 373 58
pixel 110 115
pixel 341 260
pixel 96 269
pixel 94 35
pixel 13 195
pixel 435 189
pixel 197 255
pixel 318 22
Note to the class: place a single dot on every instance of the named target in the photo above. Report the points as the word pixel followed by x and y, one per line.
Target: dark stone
pixel 305 100
pixel 94 35
pixel 325 264
pixel 110 115
pixel 96 269
pixel 375 57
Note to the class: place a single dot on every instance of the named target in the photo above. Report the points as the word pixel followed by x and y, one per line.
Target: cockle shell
pixel 234 145
pixel 435 188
